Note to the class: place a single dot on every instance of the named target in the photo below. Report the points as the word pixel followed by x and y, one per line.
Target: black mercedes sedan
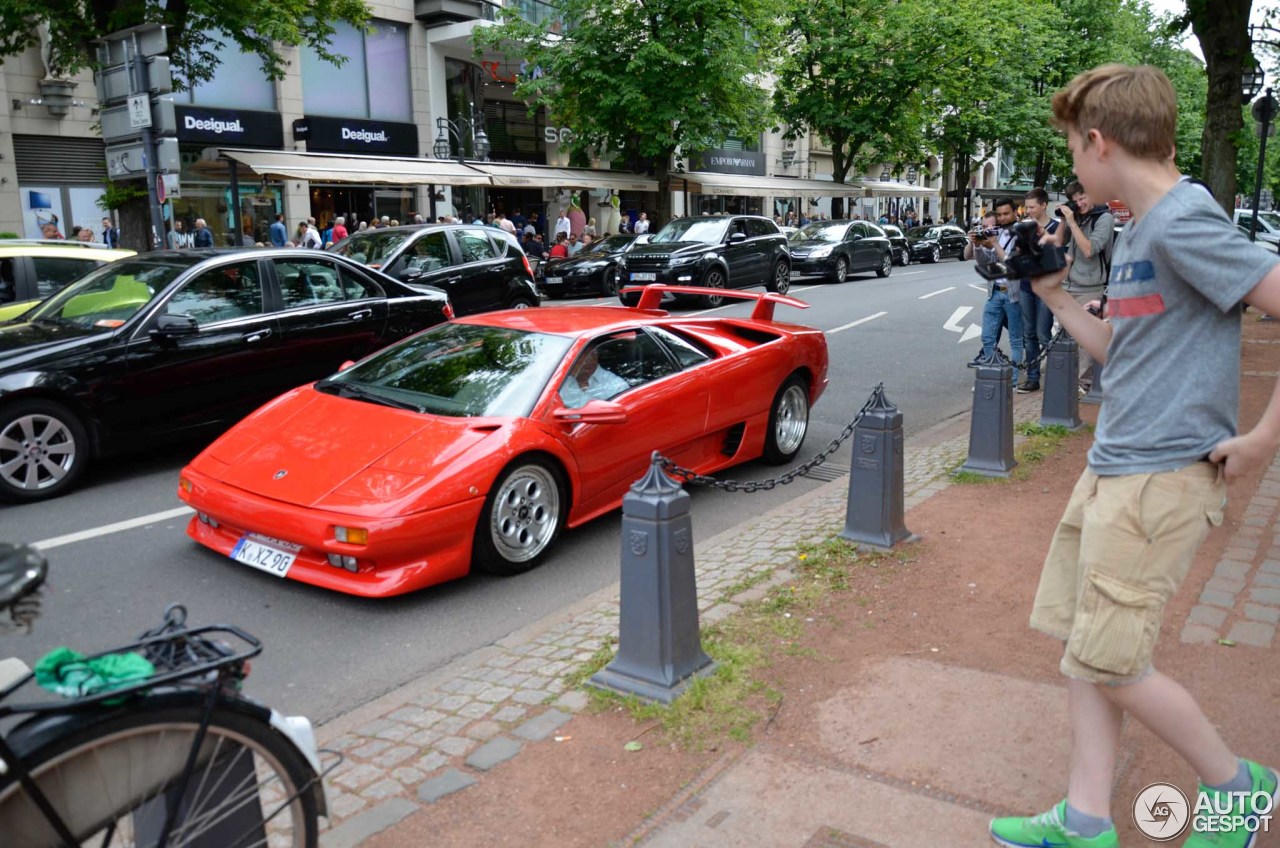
pixel 179 344
pixel 834 249
pixel 593 270
pixel 933 244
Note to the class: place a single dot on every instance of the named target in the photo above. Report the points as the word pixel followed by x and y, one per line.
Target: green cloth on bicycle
pixel 66 672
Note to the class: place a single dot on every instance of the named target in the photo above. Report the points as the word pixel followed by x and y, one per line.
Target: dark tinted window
pixel 220 294
pixel 474 245
pixel 429 253
pixel 760 227
pixel 8 280
pixel 54 273
pixel 309 282
pixel 873 230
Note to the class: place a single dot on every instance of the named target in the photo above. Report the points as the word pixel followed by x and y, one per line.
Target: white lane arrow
pixel 953 324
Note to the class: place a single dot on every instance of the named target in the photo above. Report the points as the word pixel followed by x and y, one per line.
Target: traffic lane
pixel 326 652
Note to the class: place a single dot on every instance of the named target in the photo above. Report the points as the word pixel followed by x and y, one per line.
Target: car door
pixel 227 368
pixel 478 284
pixel 742 255
pixel 611 457
pixel 763 237
pixel 328 315
pixel 953 239
pixel 862 252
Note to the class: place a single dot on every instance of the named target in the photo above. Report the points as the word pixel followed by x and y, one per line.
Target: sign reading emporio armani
pixel 230 127
pixel 730 162
pixel 358 135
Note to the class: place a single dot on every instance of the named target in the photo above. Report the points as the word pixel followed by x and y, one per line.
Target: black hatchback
pixel 481 268
pixel 178 344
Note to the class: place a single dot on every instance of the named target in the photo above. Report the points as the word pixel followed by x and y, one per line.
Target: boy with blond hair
pixel 1165 447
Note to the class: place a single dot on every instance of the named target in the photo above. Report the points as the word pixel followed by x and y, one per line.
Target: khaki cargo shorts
pixel 1122 549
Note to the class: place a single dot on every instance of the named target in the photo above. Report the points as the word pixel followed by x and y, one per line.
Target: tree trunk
pixel 134 221
pixel 1041 178
pixel 662 170
pixel 1222 28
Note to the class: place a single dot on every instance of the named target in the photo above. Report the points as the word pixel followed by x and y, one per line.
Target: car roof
pixel 568 320
pixel 50 248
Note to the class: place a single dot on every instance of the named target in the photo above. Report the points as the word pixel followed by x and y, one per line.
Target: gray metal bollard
pixel 874 516
pixel 659 644
pixel 1061 404
pixel 991 425
pixel 1094 394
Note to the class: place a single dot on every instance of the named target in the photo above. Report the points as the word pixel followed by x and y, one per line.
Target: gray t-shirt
pixel 1171 384
pixel 1086 272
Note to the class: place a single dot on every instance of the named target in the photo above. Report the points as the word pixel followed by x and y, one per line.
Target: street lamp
pixel 884 174
pixel 912 173
pixel 459 130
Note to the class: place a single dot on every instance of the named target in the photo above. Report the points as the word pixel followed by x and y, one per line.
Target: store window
pixel 372 83
pixel 240 82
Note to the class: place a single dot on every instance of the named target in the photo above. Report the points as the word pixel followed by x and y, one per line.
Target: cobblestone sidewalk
pixel 442 739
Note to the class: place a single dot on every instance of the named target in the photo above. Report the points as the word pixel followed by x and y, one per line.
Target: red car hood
pixel 307 445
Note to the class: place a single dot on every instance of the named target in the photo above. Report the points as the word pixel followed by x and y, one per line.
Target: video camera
pixel 1029 258
pixel 982 234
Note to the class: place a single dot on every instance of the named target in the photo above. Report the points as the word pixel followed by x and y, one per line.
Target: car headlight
pixel 686 259
pixel 820 252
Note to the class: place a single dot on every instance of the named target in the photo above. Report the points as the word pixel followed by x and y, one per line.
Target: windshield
pixel 609 246
pixel 922 232
pixel 1272 219
pixel 372 248
pixel 693 229
pixel 460 370
pixel 109 296
pixel 821 231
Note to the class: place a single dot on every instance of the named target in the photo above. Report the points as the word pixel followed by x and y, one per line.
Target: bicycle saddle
pixel 22 570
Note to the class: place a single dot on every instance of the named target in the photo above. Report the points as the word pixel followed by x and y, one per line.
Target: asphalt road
pixel 119 553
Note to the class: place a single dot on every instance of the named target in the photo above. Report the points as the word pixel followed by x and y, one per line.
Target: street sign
pixel 114 83
pixel 128 161
pixel 139 111
pixel 117 121
pixel 115 49
pixel 160 195
pixel 1264 109
pixel 172 186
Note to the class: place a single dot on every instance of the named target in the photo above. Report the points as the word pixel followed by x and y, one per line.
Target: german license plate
pixel 643 276
pixel 554 281
pixel 265 554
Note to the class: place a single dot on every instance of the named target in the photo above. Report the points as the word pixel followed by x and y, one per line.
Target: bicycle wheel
pixel 111 782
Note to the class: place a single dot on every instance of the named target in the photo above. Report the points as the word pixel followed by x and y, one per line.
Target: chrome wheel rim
pixel 842 269
pixel 522 304
pixel 526 512
pixel 906 258
pixel 715 281
pixel 886 264
pixel 782 278
pixel 937 254
pixel 36 452
pixel 792 420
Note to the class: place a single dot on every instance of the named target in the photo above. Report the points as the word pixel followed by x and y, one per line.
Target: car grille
pixel 649 260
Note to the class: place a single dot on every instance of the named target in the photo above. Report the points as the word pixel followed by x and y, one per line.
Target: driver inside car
pixel 588 381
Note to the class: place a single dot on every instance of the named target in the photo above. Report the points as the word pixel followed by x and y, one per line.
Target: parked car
pixel 178 343
pixel 480 268
pixel 593 270
pixel 933 244
pixel 899 245
pixel 475 443
pixel 833 249
pixel 1268 228
pixel 32 269
pixel 713 252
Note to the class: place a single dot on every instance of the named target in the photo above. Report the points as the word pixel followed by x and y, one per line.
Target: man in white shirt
pixel 563 225
pixel 642 224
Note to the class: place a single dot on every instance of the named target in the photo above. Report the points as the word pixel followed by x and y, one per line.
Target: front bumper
pixel 805 267
pixel 924 251
pixel 680 275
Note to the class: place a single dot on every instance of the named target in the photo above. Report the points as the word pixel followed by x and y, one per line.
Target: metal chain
pixel 688 475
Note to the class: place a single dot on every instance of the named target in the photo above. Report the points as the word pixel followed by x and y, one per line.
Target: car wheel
pixel 781 282
pixel 609 282
pixel 842 270
pixel 523 302
pixel 886 265
pixel 43 450
pixel 936 255
pixel 713 280
pixel 905 259
pixel 521 518
pixel 788 421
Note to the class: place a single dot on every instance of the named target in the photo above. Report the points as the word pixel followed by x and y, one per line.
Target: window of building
pixel 372 83
pixel 239 83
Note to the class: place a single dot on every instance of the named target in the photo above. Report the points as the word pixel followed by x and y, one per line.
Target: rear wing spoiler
pixel 651 298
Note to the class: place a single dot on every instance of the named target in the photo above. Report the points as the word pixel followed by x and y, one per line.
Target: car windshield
pixel 923 232
pixel 371 248
pixel 459 370
pixel 611 245
pixel 1272 219
pixel 109 296
pixel 821 231
pixel 693 229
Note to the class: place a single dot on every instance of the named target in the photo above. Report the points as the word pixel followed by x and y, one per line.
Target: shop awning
pixel 877 188
pixel 330 168
pixel 742 185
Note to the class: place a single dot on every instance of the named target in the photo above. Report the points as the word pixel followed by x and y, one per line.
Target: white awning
pixel 537 176
pixel 330 168
pixel 743 185
pixel 876 188
pixel 616 180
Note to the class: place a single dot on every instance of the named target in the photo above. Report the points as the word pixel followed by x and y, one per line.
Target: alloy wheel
pixel 842 269
pixel 791 420
pixel 526 514
pixel 714 280
pixel 36 452
pixel 782 278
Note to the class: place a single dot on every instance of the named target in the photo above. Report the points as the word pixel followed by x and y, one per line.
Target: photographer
pixel 1037 320
pixel 990 245
pixel 1088 235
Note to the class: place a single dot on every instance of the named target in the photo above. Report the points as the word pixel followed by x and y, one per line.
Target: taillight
pixel 448 311
pixel 527 267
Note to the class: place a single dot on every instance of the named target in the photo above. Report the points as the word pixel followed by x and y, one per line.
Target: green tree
pixel 643 80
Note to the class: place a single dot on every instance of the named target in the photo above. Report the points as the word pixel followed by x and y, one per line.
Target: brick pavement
pixel 441 737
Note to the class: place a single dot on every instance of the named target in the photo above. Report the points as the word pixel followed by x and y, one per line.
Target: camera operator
pixel 1088 235
pixel 1037 320
pixel 1002 307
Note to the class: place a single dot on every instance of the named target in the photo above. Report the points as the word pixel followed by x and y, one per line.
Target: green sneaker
pixel 1236 825
pixel 1047 831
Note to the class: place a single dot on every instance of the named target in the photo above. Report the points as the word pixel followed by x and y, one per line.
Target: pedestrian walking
pixel 201 237
pixel 110 233
pixel 177 237
pixel 1164 449
pixel 278 233
pixel 563 225
pixel 339 229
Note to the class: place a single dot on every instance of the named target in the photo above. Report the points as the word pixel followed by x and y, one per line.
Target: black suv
pixel 481 268
pixel 716 252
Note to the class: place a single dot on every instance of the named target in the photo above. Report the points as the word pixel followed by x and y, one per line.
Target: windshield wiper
pixel 353 391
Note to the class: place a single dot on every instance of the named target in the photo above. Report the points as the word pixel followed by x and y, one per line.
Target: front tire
pixel 788 421
pixel 936 255
pixel 523 302
pixel 609 282
pixel 713 280
pixel 43 450
pixel 781 281
pixel 886 265
pixel 842 270
pixel 522 518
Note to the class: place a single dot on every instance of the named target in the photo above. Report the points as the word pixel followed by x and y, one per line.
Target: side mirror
pixel 411 274
pixel 595 412
pixel 737 238
pixel 344 366
pixel 174 327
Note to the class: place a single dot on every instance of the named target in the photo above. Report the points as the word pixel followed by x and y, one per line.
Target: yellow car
pixel 31 270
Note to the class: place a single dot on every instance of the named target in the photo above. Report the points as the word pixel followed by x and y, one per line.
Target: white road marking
pixel 939 291
pixel 909 273
pixel 108 529
pixel 953 324
pixel 978 287
pixel 852 324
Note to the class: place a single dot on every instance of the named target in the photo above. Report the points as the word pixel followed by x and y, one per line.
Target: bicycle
pixel 180 759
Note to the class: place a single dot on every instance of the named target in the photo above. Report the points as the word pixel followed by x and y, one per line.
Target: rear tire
pixel 522 517
pixel 713 280
pixel 904 259
pixel 788 421
pixel 43 450
pixel 780 282
pixel 886 265
pixel 523 302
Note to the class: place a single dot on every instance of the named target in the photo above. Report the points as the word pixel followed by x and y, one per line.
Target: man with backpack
pixel 1088 234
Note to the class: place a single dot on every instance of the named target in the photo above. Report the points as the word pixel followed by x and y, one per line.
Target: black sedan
pixel 834 249
pixel 178 344
pixel 933 244
pixel 899 245
pixel 593 270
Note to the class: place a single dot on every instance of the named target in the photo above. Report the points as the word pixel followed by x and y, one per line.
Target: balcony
pixel 434 13
pixel 536 12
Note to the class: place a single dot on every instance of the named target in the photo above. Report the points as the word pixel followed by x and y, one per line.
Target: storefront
pixel 359 137
pixel 736 160
pixel 59 182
